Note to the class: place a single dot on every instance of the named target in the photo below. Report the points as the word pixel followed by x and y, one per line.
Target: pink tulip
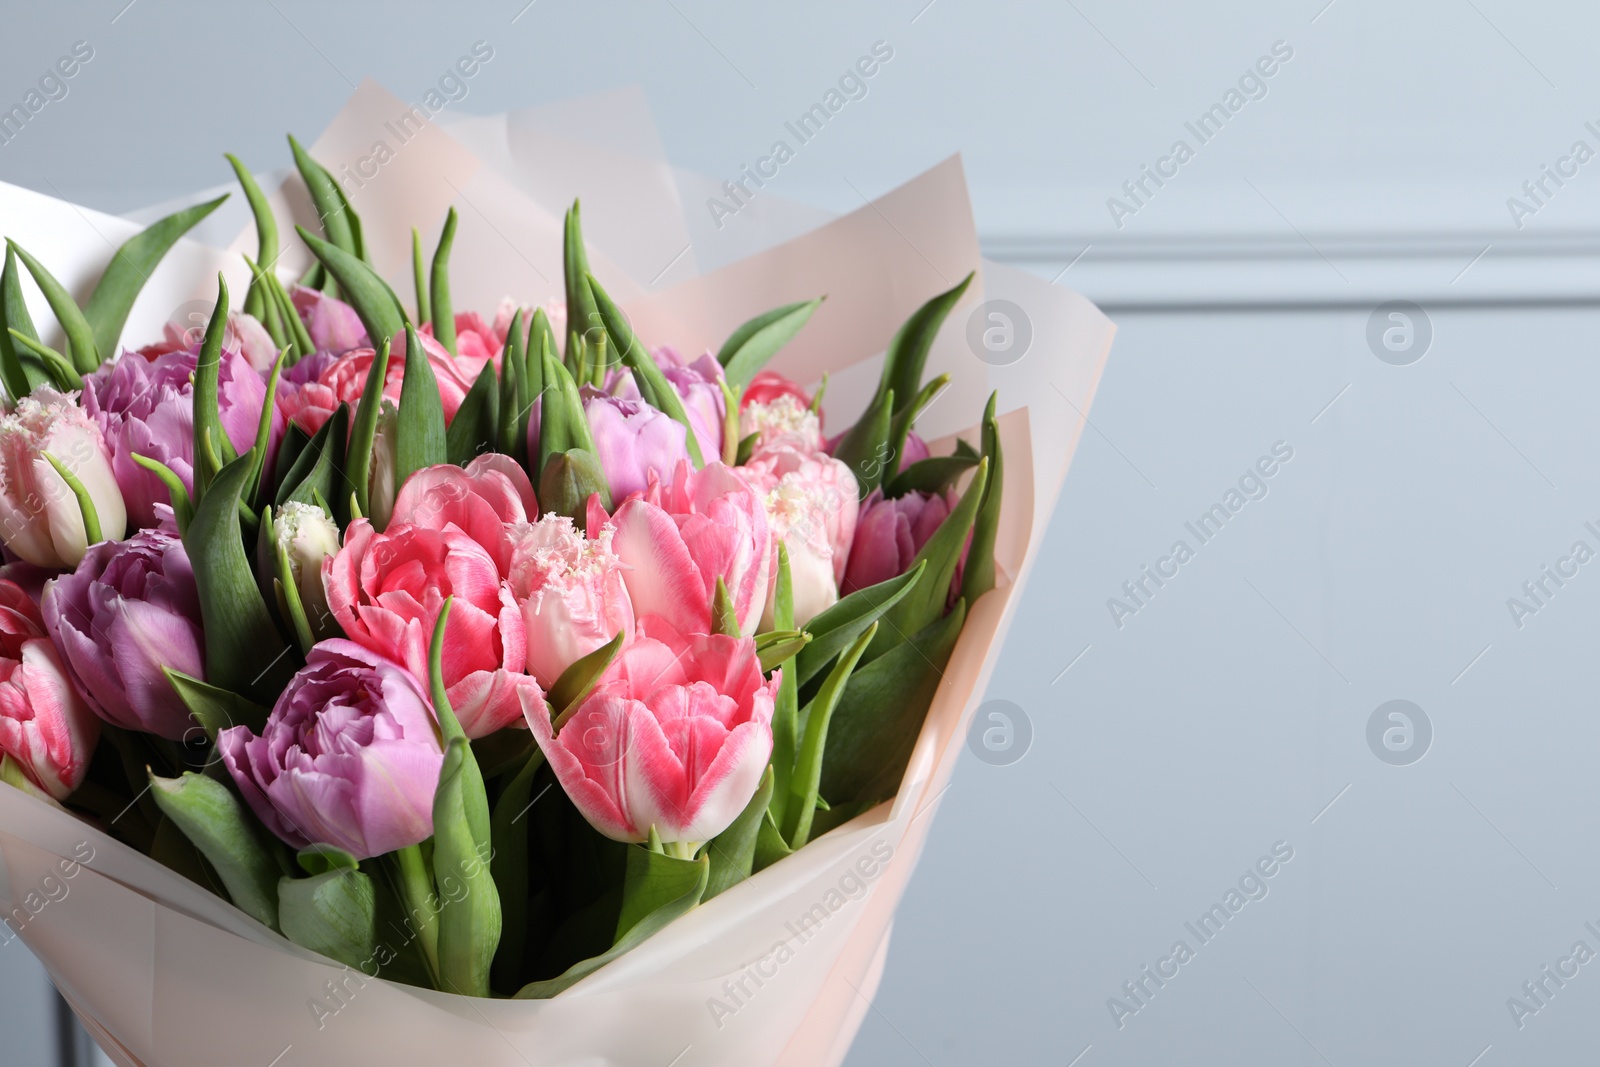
pixel 317 385
pixel 889 535
pixel 40 518
pixel 571 591
pixel 349 757
pixel 244 334
pixel 818 490
pixel 634 442
pixel 698 386
pixel 44 724
pixel 489 492
pixel 676 540
pixel 476 341
pixel 676 736
pixel 782 422
pixel 767 386
pixel 386 591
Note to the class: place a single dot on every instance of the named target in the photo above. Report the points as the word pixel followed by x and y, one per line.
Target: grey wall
pixel 1229 712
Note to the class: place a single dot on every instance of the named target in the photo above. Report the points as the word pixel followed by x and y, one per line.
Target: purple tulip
pixel 698 385
pixel 332 324
pixel 631 438
pixel 349 757
pixel 889 534
pixel 130 609
pixel 146 405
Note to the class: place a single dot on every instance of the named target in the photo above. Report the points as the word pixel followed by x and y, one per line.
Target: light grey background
pixel 1229 712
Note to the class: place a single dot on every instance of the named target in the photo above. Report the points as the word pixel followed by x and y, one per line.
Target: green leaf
pixel 770 845
pixel 334 913
pixel 833 629
pixel 926 600
pixel 582 315
pixel 724 616
pixel 58 369
pixel 258 301
pixel 567 482
pixel 562 423
pixel 655 880
pixel 803 799
pixel 732 853
pixel 653 385
pixel 419 278
pixel 182 509
pixel 420 434
pixel 329 204
pixel 474 803
pixel 865 447
pixel 293 330
pixel 469 903
pixel 880 716
pixel 86 508
pixel 213 818
pixel 244 652
pixel 216 709
pixel 81 348
pixel 255 487
pixel 513 394
pixel 908 352
pixel 776 646
pixel 510 868
pixel 749 347
pixel 18 374
pixel 932 475
pixel 978 578
pixel 581 676
pixel 540 335
pixel 906 417
pixel 639 932
pixel 137 259
pixel 316 473
pixel 444 319
pixel 208 434
pixel 786 708
pixel 364 430
pixel 476 426
pixel 374 302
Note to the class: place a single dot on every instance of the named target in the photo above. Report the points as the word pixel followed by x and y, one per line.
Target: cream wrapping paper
pixel 166 974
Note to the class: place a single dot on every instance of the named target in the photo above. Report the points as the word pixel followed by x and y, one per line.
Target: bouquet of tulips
pixel 465 653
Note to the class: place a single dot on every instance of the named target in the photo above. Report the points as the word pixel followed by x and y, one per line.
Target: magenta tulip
pixel 677 540
pixel 332 324
pixel 130 609
pixel 676 736
pixel 45 726
pixel 633 440
pixel 889 534
pixel 349 757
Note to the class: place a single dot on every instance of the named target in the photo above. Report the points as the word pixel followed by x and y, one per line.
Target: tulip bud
pixel 306 536
pixel 41 518
pixel 569 479
pixel 45 727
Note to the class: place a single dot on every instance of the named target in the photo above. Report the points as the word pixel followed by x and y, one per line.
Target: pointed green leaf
pixel 469 903
pixel 81 348
pixel 580 678
pixel 978 578
pixel 749 347
pixel 86 508
pixel 865 447
pixel 182 510
pixel 208 435
pixel 834 628
pixel 926 600
pixel 444 318
pixel 655 880
pixel 216 709
pixel 770 845
pixel 364 430
pixel 373 300
pixel 803 797
pixel 420 440
pixel 137 259
pixel 880 716
pixel 214 819
pixel 244 652
pixel 653 385
pixel 316 476
pixel 906 417
pixel 419 278
pixel 328 203
pixel 581 311
pixel 18 374
pixel 786 708
pixel 908 352
pixel 58 369
pixel 776 646
pixel 476 426
pixel 932 475
pixel 257 301
pixel 562 423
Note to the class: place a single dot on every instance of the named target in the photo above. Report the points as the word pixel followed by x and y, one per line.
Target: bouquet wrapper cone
pixel 779 970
